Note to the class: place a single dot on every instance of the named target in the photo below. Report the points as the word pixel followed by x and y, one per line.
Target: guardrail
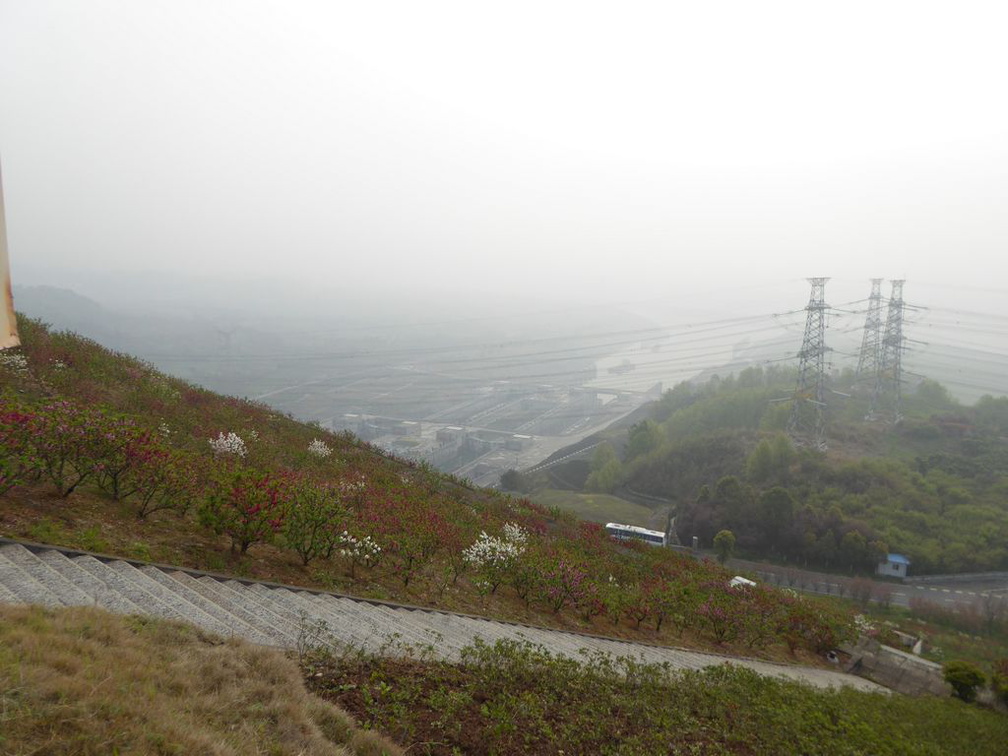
pixel 962 577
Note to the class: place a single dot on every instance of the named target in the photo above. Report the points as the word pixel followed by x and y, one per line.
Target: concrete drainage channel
pixel 284 616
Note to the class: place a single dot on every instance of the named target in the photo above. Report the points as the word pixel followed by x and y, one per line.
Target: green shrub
pixel 964 678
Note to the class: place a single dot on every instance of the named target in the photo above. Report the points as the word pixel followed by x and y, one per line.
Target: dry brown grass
pixel 82 681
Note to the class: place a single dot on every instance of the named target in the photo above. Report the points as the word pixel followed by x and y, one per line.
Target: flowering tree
pixel 806 622
pixel 414 545
pixel 64 440
pixel 636 605
pixel 314 520
pixel 760 615
pixel 165 479
pixel 319 448
pixel 247 505
pixel 363 550
pixel 228 445
pixel 354 491
pixel 562 581
pixel 720 612
pixel 525 573
pixel 14 361
pixel 590 602
pixel 491 557
pixel 18 463
pixel 615 597
pixel 121 447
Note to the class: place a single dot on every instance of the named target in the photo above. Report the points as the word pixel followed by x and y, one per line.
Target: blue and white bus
pixel 634 533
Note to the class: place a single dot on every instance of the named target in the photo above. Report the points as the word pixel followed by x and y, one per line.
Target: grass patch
pixel 596 507
pixel 517 698
pixel 82 681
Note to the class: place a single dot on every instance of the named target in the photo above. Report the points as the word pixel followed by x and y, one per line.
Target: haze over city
pixel 253 195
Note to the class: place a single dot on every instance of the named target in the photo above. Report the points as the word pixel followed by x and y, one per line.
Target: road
pixel 949 593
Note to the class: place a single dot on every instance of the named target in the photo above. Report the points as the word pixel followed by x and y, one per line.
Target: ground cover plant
pixel 516 698
pixel 82 681
pixel 104 453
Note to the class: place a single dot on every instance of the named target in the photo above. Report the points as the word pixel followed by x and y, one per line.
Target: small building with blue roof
pixel 895 565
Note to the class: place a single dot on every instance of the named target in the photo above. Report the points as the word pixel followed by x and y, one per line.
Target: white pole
pixel 8 322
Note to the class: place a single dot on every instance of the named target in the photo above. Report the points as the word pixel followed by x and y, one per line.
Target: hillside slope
pixel 104 453
pixel 931 487
pixel 86 682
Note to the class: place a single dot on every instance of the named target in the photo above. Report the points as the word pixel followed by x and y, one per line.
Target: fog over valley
pixel 479 235
pixel 478 387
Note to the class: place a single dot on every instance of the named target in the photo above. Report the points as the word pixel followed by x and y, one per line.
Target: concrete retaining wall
pixel 896 669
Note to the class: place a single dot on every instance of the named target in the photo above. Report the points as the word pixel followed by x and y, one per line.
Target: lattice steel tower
pixel 808 420
pixel 889 377
pixel 871 342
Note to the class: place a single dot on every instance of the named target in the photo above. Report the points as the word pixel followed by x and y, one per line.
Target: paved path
pixel 948 591
pixel 283 616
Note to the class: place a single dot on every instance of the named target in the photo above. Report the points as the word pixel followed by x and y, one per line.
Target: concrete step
pixel 340 614
pixel 231 624
pixel 170 599
pixel 330 624
pixel 26 588
pixel 214 594
pixel 7 596
pixel 453 633
pixel 491 631
pixel 413 626
pixel 68 593
pixel 100 592
pixel 299 614
pixel 276 615
pixel 240 594
pixel 146 602
pixel 282 617
pixel 355 621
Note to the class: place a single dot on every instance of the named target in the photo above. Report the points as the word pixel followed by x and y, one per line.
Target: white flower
pixel 229 444
pixel 492 552
pixel 14 361
pixel 319 448
pixel 365 550
pixel 863 624
pixel 515 533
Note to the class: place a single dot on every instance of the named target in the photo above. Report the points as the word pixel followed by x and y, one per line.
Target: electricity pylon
pixel 889 376
pixel 808 418
pixel 871 343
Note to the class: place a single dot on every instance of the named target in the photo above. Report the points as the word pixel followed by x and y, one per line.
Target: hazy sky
pixel 615 150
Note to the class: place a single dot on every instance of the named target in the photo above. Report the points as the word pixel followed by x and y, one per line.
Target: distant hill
pixel 63 309
pixel 931 487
